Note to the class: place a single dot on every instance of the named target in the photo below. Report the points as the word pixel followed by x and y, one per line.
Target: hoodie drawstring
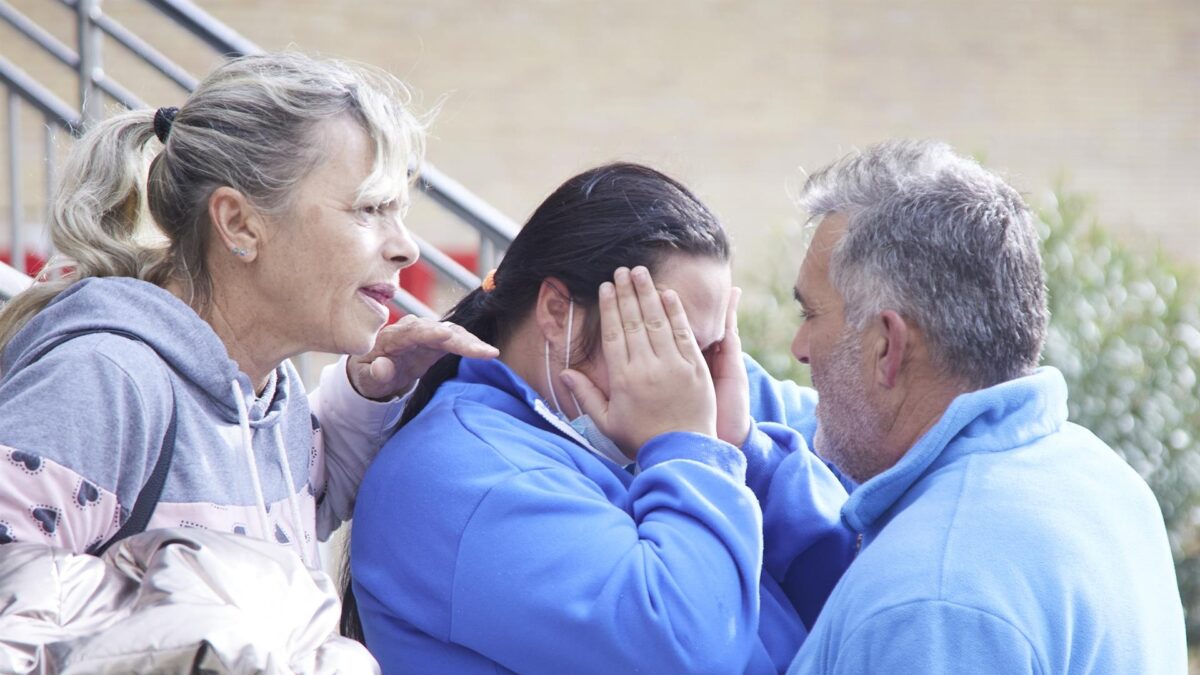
pixel 248 451
pixel 293 500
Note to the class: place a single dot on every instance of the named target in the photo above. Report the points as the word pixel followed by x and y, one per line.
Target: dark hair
pixel 617 215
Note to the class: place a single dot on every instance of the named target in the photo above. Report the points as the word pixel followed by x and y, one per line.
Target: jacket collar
pixel 495 373
pixel 999 418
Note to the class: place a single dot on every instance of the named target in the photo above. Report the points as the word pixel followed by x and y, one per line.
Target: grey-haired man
pixel 997 537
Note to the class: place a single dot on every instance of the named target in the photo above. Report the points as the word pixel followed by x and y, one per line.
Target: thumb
pixel 591 400
pixel 382 370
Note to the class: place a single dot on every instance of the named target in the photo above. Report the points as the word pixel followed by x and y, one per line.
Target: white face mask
pixel 583 425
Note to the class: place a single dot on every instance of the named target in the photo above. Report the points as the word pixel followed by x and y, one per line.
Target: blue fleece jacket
pixel 1007 540
pixel 486 539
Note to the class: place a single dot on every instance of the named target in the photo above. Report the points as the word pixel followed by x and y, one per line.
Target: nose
pixel 800 344
pixel 400 247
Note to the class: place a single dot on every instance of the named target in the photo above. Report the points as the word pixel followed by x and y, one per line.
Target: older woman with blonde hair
pixel 205 246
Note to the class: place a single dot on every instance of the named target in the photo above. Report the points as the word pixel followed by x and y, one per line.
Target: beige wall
pixel 735 98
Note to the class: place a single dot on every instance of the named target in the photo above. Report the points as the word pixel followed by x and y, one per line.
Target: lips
pixel 378 295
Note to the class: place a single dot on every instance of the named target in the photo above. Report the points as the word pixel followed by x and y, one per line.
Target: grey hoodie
pixel 84 424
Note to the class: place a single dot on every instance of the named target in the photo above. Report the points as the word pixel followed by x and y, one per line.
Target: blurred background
pixel 1090 107
pixel 737 98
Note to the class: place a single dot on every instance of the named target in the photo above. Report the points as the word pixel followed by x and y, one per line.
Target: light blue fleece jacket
pixel 487 540
pixel 1007 540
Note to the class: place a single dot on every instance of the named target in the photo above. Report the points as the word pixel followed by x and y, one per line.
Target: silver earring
pixel 239 252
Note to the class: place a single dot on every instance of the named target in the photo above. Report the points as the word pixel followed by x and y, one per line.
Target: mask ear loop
pixel 550 380
pixel 570 339
pixel 546 355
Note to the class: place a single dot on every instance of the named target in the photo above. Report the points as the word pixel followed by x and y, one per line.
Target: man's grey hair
pixel 946 244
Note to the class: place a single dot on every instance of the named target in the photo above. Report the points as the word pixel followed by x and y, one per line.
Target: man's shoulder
pixel 1045 534
pixel 1056 487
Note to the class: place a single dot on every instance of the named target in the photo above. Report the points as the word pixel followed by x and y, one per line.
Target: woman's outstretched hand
pixel 658 378
pixel 403 352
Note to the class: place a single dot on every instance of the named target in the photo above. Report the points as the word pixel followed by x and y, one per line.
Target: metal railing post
pixel 90 105
pixel 51 181
pixel 487 256
pixel 16 245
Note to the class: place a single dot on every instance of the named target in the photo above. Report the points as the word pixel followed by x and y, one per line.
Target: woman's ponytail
pixel 97 216
pixel 472 313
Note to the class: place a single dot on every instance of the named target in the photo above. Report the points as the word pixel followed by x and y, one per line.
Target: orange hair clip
pixel 489 282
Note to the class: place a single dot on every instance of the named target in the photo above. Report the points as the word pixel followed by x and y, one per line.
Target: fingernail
pixel 606 289
pixel 566 379
pixel 641 273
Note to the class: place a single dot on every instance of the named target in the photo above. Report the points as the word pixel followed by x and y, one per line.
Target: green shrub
pixel 768 315
pixel 1124 331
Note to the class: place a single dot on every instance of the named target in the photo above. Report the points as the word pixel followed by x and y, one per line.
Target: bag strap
pixel 151 492
pixel 147 499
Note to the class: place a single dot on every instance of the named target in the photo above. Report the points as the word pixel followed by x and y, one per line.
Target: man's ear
pixel 553 303
pixel 892 344
pixel 238 226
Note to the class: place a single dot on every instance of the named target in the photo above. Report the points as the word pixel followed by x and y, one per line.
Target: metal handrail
pixel 118 93
pixel 460 201
pixel 40 35
pixel 21 86
pixel 149 54
pixel 55 109
pixel 435 258
pixel 409 303
pixel 202 25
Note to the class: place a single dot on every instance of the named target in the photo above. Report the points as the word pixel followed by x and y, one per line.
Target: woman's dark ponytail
pixel 471 312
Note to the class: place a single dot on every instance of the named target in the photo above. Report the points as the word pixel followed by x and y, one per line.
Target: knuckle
pixel 632 326
pixel 656 324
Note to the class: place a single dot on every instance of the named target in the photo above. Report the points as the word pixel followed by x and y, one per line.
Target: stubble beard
pixel 847 425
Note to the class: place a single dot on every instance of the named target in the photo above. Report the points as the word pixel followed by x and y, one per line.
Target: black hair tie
pixel 163 118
